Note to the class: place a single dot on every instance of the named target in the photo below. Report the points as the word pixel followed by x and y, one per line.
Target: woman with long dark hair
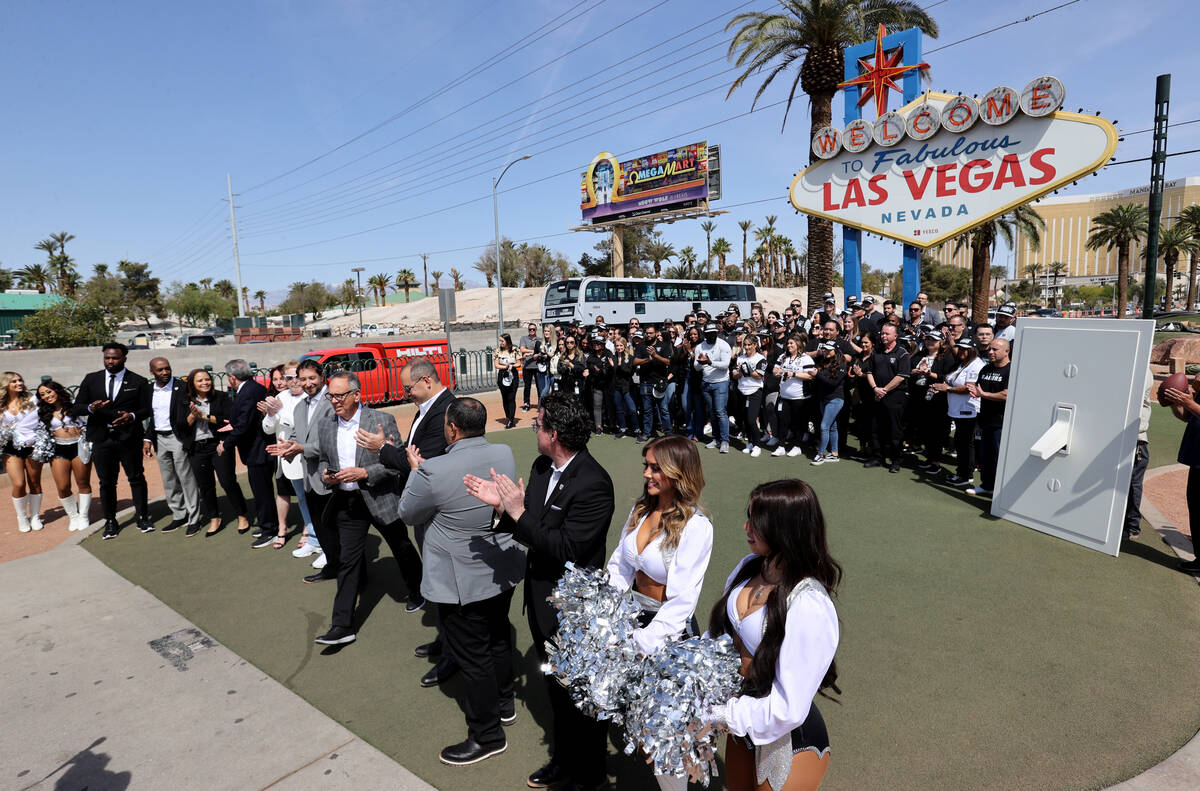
pixel 778 608
pixel 748 372
pixel 830 386
pixel 54 410
pixel 207 413
pixel 861 392
pixel 505 360
pixel 665 548
pixel 20 424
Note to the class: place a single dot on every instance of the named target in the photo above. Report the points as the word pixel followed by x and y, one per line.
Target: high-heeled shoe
pixel 212 531
pixel 243 530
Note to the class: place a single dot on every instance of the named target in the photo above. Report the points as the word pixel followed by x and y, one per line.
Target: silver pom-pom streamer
pixel 681 682
pixel 593 654
pixel 6 437
pixel 43 446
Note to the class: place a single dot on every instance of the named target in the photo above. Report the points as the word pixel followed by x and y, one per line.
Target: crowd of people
pixel 921 385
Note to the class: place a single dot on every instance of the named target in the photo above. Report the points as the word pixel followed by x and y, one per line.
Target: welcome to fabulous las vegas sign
pixel 943 164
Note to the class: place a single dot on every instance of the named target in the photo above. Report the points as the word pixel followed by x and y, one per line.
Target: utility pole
pixel 1158 173
pixel 425 271
pixel 496 217
pixel 237 262
pixel 358 270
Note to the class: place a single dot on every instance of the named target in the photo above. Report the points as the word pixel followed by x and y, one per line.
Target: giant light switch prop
pixel 1070 427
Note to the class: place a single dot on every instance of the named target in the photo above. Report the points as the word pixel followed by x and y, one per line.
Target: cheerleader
pixel 19 426
pixel 778 609
pixel 665 548
pixel 71 456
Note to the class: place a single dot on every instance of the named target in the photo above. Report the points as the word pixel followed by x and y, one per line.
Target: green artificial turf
pixel 1165 434
pixel 974 653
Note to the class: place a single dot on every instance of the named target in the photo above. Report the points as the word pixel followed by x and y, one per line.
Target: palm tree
pixel 34 276
pixel 678 272
pixel 436 277
pixel 811 34
pixel 246 299
pixel 405 279
pixel 1120 227
pixel 721 248
pixel 1190 216
pixel 687 257
pixel 708 226
pixel 488 268
pixel 1056 270
pixel 378 285
pixel 1171 243
pixel 999 272
pixel 456 276
pixel 261 296
pixel 786 249
pixel 49 246
pixel 745 225
pixel 1022 221
pixel 206 283
pixel 659 252
pixel 224 289
pixel 60 239
pixel 100 270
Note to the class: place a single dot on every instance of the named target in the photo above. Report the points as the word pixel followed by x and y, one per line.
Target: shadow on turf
pixel 1148 550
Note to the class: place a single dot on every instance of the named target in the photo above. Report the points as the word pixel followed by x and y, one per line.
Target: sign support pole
pixel 1158 168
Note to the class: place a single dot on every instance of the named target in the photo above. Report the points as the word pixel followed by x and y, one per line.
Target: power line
pixel 1000 27
pixel 1147 159
pixel 1169 126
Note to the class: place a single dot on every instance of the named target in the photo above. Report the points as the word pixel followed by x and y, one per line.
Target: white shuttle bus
pixel 648 300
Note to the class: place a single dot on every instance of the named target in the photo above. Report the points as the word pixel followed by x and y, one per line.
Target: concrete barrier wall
pixel 69 366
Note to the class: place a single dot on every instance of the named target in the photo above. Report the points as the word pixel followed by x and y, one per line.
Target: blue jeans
pixel 716 402
pixel 829 430
pixel 667 399
pixel 310 534
pixel 625 406
pixel 650 405
pixel 543 383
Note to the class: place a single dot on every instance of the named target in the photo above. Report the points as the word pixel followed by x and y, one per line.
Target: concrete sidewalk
pixel 108 688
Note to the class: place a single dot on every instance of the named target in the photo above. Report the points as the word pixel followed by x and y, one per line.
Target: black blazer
pixel 430 438
pixel 571 526
pixel 179 402
pixel 247 434
pixel 219 406
pixel 134 397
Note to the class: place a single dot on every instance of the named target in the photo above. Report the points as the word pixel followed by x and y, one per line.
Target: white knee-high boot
pixel 85 508
pixel 71 509
pixel 21 506
pixel 671 783
pixel 35 511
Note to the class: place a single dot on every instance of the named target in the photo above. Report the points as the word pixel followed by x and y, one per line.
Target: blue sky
pixel 124 117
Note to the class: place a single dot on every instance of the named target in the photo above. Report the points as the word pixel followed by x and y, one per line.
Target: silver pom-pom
pixel 593 654
pixel 43 446
pixel 6 437
pixel 681 682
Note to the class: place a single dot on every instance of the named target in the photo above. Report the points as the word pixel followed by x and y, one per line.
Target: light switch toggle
pixel 1057 438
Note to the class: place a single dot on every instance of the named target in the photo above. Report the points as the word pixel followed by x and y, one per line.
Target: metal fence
pixel 379 379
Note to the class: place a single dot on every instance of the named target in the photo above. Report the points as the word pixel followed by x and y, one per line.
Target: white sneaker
pixel 832 459
pixel 780 451
pixel 747 449
pixel 35 522
pixel 795 451
pixel 319 563
pixel 724 447
pixel 979 490
pixel 712 444
pixel 818 460
pixel 305 551
pixel 755 452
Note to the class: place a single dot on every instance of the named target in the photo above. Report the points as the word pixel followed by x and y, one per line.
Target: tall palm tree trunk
pixel 981 268
pixel 1172 258
pixel 1122 279
pixel 1191 292
pixel 820 232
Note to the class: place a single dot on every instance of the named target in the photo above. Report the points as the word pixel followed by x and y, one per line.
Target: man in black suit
pixel 427 437
pixel 563 515
pixel 116 401
pixel 246 434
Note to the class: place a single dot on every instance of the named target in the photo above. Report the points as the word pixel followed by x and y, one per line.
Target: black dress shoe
pixel 549 775
pixel 413 604
pixel 337 635
pixel 191 531
pixel 175 525
pixel 470 752
pixel 440 673
pixel 110 530
pixel 426 650
pixel 320 576
pixel 873 463
pixel 145 525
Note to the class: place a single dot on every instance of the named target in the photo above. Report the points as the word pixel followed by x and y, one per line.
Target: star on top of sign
pixel 878 76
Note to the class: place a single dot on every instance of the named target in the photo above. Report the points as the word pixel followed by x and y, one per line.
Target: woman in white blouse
pixel 778 608
pixel 279 419
pixel 963 409
pixel 20 416
pixel 665 547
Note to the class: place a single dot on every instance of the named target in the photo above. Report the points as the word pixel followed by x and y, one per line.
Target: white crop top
pixel 24 424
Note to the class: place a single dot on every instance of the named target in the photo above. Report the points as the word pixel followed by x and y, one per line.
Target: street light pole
pixel 358 270
pixel 496 217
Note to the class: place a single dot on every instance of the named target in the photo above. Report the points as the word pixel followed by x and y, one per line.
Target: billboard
pixel 673 179
pixel 929 172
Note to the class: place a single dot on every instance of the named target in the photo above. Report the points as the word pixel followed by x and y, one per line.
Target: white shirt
pixel 683 579
pixel 555 474
pixel 793 388
pixel 810 641
pixel 1009 333
pixel 422 408
pixel 161 402
pixel 347 448
pixel 283 425
pixel 748 384
pixel 962 404
pixel 719 355
pixel 24 424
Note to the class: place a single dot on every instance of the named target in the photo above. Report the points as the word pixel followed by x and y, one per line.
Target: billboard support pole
pixel 618 251
pixel 1158 168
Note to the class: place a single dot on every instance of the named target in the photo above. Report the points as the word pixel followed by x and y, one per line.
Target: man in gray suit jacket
pixel 470 573
pixel 314 409
pixel 363 492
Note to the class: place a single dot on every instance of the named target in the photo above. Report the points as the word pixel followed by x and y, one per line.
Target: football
pixel 1177 381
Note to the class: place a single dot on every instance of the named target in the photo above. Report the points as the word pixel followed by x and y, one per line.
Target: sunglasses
pixel 339 397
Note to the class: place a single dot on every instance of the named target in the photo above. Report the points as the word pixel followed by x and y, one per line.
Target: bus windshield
pixel 564 292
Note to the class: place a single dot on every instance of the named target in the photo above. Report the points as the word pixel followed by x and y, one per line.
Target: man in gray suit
pixel 364 492
pixel 312 410
pixel 470 573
